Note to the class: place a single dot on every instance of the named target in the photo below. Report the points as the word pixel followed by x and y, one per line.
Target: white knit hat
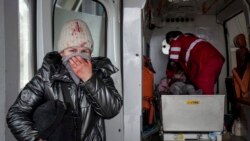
pixel 74 33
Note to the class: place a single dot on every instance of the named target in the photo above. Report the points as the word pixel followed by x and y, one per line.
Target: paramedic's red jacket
pixel 200 60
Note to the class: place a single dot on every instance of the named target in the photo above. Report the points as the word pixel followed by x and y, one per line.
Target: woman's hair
pixel 172 34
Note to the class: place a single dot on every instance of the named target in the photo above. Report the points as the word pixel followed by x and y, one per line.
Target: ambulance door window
pixel 26 40
pixel 235 26
pixel 91 12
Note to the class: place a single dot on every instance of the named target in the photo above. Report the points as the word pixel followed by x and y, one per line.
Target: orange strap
pixel 147 88
pixel 151 113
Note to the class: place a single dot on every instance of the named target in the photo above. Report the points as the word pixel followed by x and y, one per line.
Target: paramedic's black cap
pixel 172 34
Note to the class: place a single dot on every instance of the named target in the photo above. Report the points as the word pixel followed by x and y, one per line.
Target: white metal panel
pixel 113 37
pixel 201 113
pixel 134 3
pixel 114 126
pixel 132 65
pixel 44 29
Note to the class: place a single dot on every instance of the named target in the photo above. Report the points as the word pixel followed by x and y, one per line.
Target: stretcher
pixel 192 117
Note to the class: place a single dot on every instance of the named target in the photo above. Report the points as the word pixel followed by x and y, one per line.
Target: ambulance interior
pixel 131 33
pixel 172 115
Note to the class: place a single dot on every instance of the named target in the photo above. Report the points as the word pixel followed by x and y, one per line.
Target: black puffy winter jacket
pixel 97 97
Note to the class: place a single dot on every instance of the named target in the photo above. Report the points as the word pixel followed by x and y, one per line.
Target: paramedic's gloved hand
pixel 171 65
pixel 81 67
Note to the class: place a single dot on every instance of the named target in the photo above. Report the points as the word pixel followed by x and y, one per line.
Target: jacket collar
pixel 62 75
pixel 104 65
pixel 52 63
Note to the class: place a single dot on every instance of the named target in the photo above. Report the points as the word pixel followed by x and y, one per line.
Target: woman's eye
pixel 85 51
pixel 72 51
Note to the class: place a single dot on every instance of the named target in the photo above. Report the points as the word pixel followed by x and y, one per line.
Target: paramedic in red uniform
pixel 200 60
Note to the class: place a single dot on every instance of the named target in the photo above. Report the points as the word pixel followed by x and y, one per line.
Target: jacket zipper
pixel 76 112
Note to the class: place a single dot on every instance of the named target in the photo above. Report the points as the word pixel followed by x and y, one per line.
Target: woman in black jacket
pixel 87 80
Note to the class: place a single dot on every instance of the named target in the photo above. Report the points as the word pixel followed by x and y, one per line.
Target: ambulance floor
pixel 229 137
pixel 226 137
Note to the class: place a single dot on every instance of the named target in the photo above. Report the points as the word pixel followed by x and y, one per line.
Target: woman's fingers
pixel 77 60
pixel 72 63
